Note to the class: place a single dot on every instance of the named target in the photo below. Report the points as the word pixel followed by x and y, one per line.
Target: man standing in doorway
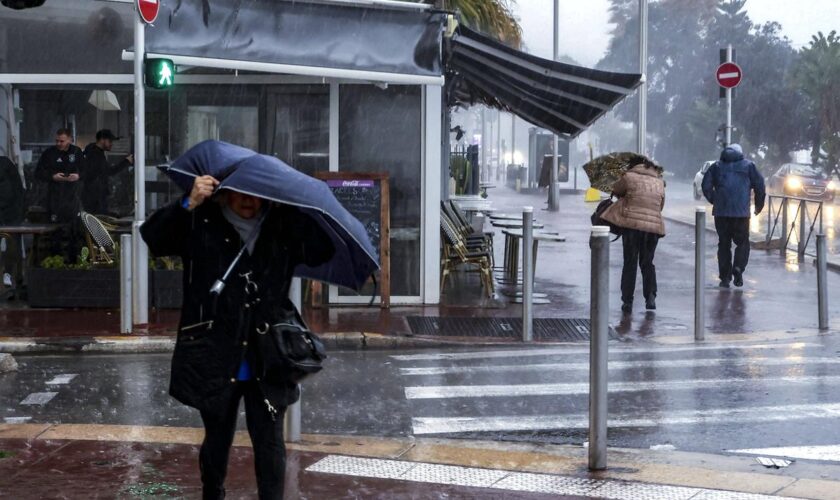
pixel 97 170
pixel 59 168
pixel 727 185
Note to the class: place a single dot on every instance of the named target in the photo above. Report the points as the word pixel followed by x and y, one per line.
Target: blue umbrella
pixel 240 169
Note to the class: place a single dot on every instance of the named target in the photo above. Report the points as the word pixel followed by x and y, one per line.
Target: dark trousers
pixel 266 439
pixel 639 249
pixel 732 230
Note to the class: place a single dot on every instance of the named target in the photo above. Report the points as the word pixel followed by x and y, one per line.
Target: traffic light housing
pixel 22 4
pixel 159 73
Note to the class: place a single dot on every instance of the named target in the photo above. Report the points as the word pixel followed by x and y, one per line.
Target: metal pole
pixel 125 284
pixel 484 170
pixel 800 246
pixel 785 228
pixel 527 274
pixel 643 56
pixel 140 253
pixel 729 101
pixel 700 274
pixel 599 242
pixel 553 191
pixel 769 236
pixel 822 282
pixel 291 423
pixel 500 170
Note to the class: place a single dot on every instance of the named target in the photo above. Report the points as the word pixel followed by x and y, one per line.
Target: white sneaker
pixel 7 279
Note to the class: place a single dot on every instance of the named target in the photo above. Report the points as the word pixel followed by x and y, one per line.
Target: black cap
pixel 106 134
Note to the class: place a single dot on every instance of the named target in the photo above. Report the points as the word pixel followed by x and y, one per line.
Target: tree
pixel 492 17
pixel 684 108
pixel 817 74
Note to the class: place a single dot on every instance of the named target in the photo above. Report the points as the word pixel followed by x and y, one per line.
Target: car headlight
pixel 832 186
pixel 794 183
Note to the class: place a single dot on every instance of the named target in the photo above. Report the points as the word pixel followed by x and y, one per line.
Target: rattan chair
pixel 99 241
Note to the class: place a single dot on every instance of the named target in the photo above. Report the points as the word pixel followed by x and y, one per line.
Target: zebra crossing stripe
pixel 614 349
pixel 828 453
pixel 616 365
pixel 518 390
pixel 447 425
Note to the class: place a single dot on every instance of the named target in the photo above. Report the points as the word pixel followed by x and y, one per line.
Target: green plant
pixel 53 262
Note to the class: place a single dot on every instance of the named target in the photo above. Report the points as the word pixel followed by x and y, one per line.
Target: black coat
pixel 11 193
pixel 214 336
pixel 95 176
pixel 62 197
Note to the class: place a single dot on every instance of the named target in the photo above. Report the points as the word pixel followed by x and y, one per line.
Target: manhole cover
pixel 556 329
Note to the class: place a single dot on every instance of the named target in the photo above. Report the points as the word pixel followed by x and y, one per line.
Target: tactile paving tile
pixel 544 483
pixel 365 467
pixel 619 490
pixel 732 495
pixel 450 474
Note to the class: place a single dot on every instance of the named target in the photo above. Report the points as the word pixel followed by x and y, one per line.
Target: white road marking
pixel 62 379
pixel 443 425
pixel 516 481
pixel 16 420
pixel 38 398
pixel 521 353
pixel 619 365
pixel 518 390
pixel 829 453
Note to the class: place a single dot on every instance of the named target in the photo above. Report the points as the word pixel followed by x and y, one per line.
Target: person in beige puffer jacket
pixel 641 197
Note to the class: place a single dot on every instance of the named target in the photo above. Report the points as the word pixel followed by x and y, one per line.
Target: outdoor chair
pixel 456 253
pixel 99 242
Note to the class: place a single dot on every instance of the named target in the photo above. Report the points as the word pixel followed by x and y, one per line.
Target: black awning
pixel 563 98
pixel 364 41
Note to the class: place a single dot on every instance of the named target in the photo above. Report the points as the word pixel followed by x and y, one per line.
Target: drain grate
pixel 557 329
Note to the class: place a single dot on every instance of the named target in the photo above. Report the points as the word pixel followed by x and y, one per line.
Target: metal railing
pixel 804 222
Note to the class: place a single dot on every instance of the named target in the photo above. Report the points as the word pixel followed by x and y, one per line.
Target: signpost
pixel 729 76
pixel 148 10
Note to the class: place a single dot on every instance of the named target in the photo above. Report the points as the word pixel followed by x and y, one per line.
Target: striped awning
pixel 563 98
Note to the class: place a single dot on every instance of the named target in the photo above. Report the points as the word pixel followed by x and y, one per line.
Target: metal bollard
pixel 785 228
pixel 822 282
pixel 125 284
pixel 803 235
pixel 527 274
pixel 599 242
pixel 139 277
pixel 700 274
pixel 291 423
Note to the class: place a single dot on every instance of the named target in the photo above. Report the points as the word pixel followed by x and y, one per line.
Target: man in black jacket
pixel 11 213
pixel 215 363
pixel 59 167
pixel 97 170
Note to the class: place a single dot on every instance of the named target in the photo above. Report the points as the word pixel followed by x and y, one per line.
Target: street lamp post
pixel 140 253
pixel 643 56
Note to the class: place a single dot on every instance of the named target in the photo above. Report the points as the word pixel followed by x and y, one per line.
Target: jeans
pixel 732 230
pixel 266 439
pixel 639 249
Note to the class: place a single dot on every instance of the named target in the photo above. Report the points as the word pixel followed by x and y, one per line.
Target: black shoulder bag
pixel 290 351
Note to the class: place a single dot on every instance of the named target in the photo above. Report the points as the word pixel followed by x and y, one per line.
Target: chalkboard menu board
pixel 367 197
pixel 363 199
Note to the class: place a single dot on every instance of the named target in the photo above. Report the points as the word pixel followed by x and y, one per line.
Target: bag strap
pixel 220 283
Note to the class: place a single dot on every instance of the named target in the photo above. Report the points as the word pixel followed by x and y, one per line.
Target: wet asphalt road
pixel 699 399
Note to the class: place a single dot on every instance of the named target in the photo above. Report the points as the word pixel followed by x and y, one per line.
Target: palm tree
pixel 818 76
pixel 491 17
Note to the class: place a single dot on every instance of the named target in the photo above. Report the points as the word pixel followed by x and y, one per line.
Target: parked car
pixel 801 180
pixel 698 179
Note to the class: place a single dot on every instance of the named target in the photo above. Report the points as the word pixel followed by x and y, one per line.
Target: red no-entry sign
pixel 148 10
pixel 729 75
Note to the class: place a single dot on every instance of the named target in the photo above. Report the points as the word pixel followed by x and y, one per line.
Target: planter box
pixel 73 288
pixel 166 288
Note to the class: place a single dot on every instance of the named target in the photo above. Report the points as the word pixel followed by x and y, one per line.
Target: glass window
pixel 227 113
pixel 381 131
pixel 298 126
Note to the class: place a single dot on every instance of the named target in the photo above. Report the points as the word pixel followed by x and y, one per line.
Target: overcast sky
pixel 584 27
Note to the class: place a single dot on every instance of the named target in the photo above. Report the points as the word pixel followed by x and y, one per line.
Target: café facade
pixel 327 86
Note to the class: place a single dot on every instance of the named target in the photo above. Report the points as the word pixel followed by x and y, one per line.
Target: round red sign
pixel 148 10
pixel 729 75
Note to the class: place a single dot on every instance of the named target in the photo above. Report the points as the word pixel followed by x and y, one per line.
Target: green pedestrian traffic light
pixel 159 73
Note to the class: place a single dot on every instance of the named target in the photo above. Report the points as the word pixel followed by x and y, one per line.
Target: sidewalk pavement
pixel 101 461
pixel 761 310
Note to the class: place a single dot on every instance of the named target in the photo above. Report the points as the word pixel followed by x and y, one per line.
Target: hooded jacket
pixel 728 182
pixel 641 194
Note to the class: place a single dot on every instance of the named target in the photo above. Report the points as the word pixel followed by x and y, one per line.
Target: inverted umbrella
pixel 605 171
pixel 240 169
